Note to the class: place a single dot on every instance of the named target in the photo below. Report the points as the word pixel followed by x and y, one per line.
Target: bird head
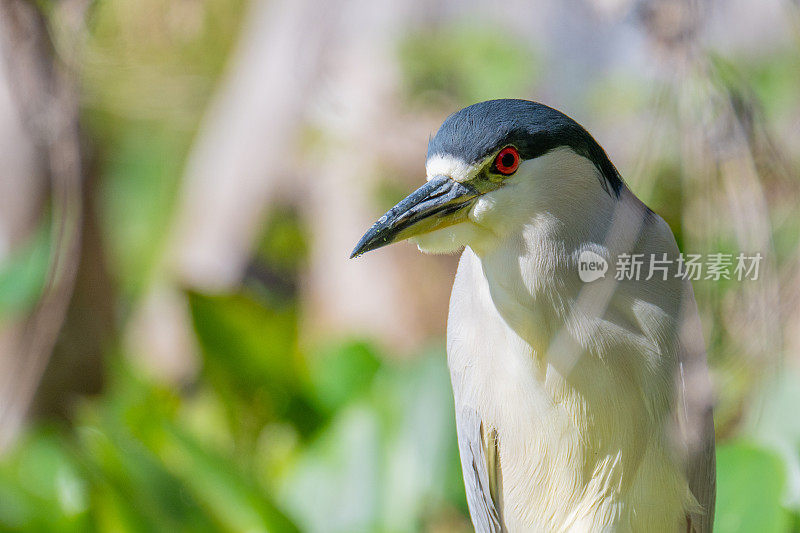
pixel 490 167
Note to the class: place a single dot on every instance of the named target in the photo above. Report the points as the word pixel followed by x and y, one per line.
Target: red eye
pixel 507 160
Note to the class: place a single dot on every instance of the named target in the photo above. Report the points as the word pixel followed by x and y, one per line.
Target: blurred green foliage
pixel 272 439
pixel 238 451
pixel 464 63
pixel 140 170
pixel 148 72
pixel 751 483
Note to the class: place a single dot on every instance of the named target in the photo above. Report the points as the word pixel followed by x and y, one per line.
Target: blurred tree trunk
pixel 76 366
pixel 46 103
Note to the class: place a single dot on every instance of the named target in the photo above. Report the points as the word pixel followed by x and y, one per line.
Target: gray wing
pixel 480 465
pixel 702 473
pixel 697 418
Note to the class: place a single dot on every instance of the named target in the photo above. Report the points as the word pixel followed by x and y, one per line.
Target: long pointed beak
pixel 439 203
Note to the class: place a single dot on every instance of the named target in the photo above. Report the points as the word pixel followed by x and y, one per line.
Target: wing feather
pixel 696 416
pixel 480 465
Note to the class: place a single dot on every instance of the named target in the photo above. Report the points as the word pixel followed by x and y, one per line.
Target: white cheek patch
pixel 447 165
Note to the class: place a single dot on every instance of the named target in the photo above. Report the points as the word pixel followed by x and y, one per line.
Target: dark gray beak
pixel 439 203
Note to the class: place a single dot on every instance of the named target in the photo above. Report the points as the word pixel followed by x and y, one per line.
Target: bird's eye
pixel 507 161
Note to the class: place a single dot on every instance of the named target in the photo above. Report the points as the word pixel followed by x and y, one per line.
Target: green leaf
pixel 750 484
pixel 393 448
pixel 41 487
pixel 335 485
pixel 247 342
pixel 423 470
pixel 232 498
pixel 132 486
pixel 251 358
pixel 138 451
pixel 341 373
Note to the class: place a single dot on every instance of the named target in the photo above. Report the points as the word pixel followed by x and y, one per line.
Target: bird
pixel 582 403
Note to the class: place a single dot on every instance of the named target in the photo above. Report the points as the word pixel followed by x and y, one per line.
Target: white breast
pixel 577 452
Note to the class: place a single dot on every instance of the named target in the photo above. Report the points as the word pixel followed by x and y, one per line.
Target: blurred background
pixel 184 345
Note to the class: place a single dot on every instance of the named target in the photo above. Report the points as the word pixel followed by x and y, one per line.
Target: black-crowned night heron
pixel 581 401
